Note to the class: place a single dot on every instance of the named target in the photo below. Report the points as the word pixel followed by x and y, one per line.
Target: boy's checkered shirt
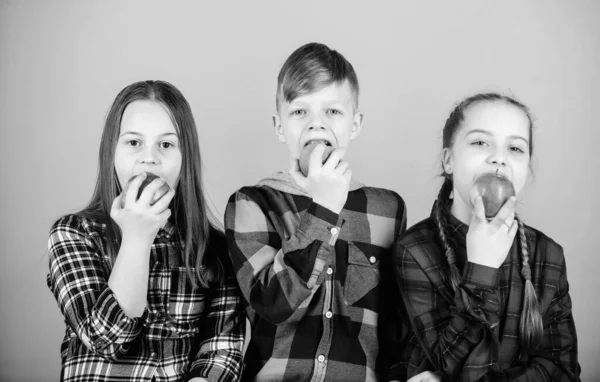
pixel 183 333
pixel 474 335
pixel 314 281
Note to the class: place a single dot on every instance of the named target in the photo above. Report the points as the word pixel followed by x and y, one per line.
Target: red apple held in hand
pixel 159 193
pixel 162 190
pixel 495 190
pixel 307 150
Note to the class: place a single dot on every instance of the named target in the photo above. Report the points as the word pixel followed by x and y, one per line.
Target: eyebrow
pixel 485 132
pixel 141 135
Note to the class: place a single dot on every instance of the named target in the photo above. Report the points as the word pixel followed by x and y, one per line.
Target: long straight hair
pixel 531 325
pixel 194 222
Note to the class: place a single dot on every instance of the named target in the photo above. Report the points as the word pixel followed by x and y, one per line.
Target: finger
pixel 116 205
pixel 333 160
pixel 296 174
pixel 150 190
pixel 342 167
pixel 514 228
pixel 132 189
pixel 315 162
pixel 163 203
pixel 478 215
pixel 416 378
pixel 505 213
pixel 348 174
pixel 164 216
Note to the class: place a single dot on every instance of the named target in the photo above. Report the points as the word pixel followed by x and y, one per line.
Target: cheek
pixel 520 178
pixel 174 170
pixel 123 168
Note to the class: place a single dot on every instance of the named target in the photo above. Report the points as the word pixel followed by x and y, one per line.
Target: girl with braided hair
pixel 486 299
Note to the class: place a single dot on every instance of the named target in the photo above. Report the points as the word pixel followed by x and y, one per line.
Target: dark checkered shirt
pixel 474 335
pixel 184 332
pixel 313 281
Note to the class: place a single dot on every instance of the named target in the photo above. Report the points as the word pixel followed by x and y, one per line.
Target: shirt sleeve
pixel 555 359
pixel 276 275
pixel 78 281
pixel 222 334
pixel 461 334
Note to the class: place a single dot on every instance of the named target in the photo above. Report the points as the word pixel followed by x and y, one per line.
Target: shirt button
pixel 321 358
pixel 329 314
pixel 372 259
pixel 334 231
pixel 329 271
pixel 153 355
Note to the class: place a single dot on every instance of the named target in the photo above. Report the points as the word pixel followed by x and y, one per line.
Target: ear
pixel 356 125
pixel 447 161
pixel 278 128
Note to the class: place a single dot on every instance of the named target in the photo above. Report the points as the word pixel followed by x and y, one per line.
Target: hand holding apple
pixel 495 190
pixel 142 217
pixel 159 193
pixel 162 190
pixel 305 155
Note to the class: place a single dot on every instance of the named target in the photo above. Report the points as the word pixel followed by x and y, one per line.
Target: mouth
pixel 317 142
pixel 495 173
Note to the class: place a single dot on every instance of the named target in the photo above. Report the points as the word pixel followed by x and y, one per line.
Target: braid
pixel 531 326
pixel 441 211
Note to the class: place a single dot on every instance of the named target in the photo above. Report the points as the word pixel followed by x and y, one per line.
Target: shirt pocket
pixel 186 304
pixel 362 275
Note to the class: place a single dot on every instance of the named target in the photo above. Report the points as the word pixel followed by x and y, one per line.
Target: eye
pixel 517 150
pixel 334 112
pixel 166 145
pixel 479 143
pixel 298 112
pixel 133 142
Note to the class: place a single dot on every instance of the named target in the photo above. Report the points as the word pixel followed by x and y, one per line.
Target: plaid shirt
pixel 183 333
pixel 313 280
pixel 474 335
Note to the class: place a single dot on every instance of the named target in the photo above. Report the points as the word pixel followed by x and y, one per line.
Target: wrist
pixel 337 208
pixel 138 242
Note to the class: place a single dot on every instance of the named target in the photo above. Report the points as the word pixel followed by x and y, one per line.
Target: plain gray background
pixel 62 63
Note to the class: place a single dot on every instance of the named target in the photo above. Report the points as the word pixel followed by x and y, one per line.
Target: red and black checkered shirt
pixel 312 280
pixel 474 335
pixel 183 333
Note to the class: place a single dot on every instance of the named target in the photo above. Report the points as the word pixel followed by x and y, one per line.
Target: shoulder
pixel 74 234
pixel 420 243
pixel 256 195
pixel 247 203
pixel 77 225
pixel 421 233
pixel 546 249
pixel 383 195
pixel 384 201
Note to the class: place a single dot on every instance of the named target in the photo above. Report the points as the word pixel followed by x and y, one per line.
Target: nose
pixel 149 155
pixel 316 122
pixel 498 157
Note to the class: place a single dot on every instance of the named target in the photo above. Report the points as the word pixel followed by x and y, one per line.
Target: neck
pixel 460 209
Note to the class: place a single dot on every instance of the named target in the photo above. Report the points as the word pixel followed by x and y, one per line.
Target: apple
pixel 307 150
pixel 162 190
pixel 494 190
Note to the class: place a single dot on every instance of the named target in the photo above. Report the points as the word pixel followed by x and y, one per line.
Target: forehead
pixel 334 92
pixel 498 118
pixel 145 116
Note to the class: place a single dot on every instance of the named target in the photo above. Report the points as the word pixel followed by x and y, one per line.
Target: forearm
pixel 129 277
pixel 278 271
pixel 457 330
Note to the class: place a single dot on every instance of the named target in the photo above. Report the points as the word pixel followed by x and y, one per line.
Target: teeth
pixel 318 141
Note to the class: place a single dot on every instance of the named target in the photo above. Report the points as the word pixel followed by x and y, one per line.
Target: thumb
pixel 296 174
pixel 478 215
pixel 116 207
